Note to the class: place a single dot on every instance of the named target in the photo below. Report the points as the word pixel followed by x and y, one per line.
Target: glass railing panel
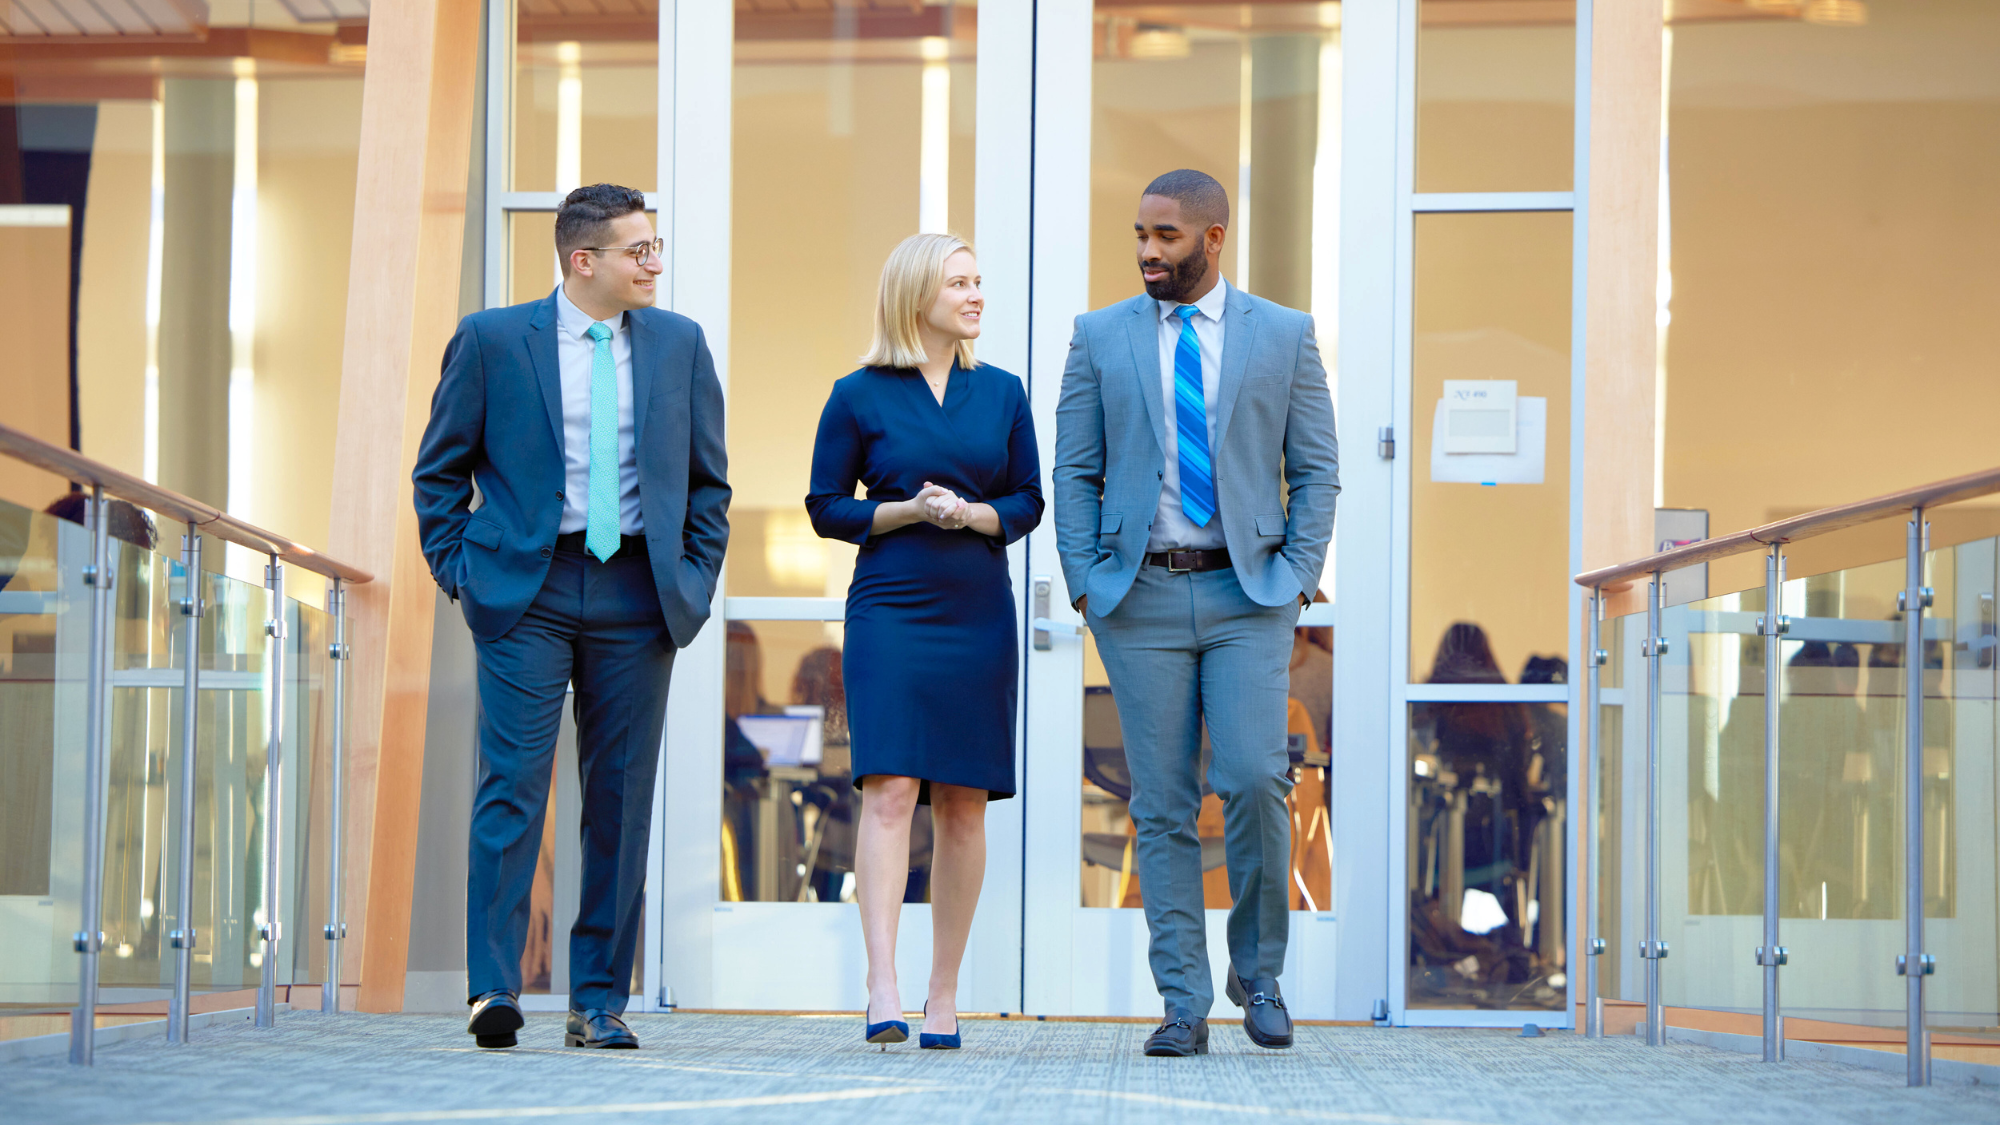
pixel 308 785
pixel 1711 751
pixel 1621 811
pixel 144 730
pixel 44 641
pixel 232 731
pixel 1961 770
pixel 1840 823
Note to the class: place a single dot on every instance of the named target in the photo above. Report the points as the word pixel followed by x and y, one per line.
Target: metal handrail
pixel 1791 529
pixel 105 482
pixel 71 465
pixel 1915 963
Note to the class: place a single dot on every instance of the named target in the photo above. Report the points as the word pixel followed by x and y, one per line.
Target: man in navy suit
pixel 591 423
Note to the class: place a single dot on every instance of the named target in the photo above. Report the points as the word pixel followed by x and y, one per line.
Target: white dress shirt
pixel 575 351
pixel 1172 530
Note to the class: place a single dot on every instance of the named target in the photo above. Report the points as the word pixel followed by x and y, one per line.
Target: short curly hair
pixel 584 219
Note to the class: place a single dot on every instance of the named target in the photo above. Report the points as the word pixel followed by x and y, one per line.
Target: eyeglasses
pixel 638 252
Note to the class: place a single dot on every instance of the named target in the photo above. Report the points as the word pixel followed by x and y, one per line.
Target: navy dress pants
pixel 599 626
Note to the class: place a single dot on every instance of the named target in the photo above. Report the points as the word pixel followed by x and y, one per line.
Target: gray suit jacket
pixel 1273 435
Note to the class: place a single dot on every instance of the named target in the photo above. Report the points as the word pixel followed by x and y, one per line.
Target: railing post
pixel 1916 964
pixel 89 938
pixel 1770 955
pixel 1652 950
pixel 1593 945
pixel 336 926
pixel 184 937
pixel 272 931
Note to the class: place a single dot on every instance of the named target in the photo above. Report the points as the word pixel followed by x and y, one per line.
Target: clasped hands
pixel 941 507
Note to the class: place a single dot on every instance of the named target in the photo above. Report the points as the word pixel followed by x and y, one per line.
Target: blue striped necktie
pixel 600 531
pixel 1191 425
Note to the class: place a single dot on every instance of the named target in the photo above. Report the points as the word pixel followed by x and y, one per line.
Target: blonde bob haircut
pixel 911 280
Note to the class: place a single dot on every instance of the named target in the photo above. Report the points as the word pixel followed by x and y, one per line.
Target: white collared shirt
pixel 1172 531
pixel 575 351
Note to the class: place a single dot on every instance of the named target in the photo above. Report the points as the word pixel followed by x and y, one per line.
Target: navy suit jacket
pixel 496 420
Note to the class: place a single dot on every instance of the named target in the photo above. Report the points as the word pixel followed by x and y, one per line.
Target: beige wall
pixel 1834 252
pixel 111 301
pixel 308 134
pixel 34 310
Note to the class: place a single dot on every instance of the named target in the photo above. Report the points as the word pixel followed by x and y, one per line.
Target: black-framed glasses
pixel 638 251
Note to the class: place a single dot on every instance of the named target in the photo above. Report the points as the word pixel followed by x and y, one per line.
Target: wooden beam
pixel 1621 349
pixel 402 303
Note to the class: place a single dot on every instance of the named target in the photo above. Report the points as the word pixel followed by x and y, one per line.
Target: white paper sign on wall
pixel 1478 416
pixel 1523 466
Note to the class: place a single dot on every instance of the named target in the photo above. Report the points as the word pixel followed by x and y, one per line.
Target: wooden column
pixel 402 304
pixel 1621 351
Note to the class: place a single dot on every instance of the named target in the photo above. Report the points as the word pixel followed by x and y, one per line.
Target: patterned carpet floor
pixel 351 1069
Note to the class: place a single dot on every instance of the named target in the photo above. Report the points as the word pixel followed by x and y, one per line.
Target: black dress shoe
pixel 496 1016
pixel 1265 1019
pixel 595 1027
pixel 1182 1034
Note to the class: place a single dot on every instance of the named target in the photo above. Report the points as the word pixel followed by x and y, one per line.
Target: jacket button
pixel 547 552
pixel 1160 473
pixel 559 495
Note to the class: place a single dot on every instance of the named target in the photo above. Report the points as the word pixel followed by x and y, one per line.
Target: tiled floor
pixel 374 1070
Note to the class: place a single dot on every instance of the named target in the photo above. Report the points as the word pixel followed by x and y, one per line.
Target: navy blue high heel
pixel 927 1041
pixel 886 1032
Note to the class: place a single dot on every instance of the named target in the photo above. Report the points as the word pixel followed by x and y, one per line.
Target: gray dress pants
pixel 1180 648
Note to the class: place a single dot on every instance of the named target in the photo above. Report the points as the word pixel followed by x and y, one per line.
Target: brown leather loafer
pixel 596 1027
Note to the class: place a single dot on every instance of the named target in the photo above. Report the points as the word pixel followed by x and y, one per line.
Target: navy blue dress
pixel 933 647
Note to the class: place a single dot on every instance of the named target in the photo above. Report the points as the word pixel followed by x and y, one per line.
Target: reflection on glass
pixel 879 105
pixel 788 797
pixel 1496 96
pixel 1110 875
pixel 1487 873
pixel 44 615
pixel 1491 547
pixel 586 96
pixel 1248 93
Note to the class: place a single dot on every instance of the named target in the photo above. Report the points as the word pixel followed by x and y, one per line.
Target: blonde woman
pixel 946 449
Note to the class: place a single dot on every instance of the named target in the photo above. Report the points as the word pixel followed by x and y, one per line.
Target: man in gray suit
pixel 1188 417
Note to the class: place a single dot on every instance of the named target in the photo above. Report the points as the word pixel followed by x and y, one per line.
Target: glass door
pixel 1250 93
pixel 1487 372
pixel 848 129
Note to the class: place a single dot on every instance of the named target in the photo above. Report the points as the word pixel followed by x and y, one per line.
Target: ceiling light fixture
pixel 1836 13
pixel 1152 41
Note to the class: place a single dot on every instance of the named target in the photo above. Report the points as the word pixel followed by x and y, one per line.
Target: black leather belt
pixel 1179 561
pixel 629 546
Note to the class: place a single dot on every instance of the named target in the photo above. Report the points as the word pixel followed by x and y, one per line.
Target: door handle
pixel 1044 628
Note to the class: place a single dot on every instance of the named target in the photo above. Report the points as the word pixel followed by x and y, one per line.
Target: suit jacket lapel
pixel 645 359
pixel 1145 338
pixel 543 353
pixel 1239 330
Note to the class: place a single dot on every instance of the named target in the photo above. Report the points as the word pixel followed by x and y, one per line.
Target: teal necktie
pixel 600 534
